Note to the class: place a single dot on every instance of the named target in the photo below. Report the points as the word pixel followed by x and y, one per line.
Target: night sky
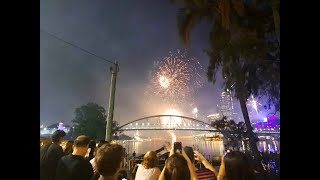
pixel 136 33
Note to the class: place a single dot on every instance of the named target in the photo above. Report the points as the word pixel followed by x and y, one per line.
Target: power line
pixel 60 39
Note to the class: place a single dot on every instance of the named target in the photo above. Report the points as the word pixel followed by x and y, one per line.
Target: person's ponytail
pixel 175 175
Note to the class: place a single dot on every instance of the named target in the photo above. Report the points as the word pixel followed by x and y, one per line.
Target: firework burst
pixel 176 77
pixel 253 103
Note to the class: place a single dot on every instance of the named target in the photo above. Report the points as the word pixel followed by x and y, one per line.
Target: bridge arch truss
pixel 167 122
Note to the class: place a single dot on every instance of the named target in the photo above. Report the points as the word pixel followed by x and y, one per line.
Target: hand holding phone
pixel 199 156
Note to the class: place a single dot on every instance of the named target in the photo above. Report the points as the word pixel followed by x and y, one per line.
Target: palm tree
pixel 224 13
pixel 276 16
pixel 241 44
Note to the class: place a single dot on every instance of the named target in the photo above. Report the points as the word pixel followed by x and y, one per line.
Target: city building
pixel 48 131
pixel 268 123
pixel 237 112
pixel 226 105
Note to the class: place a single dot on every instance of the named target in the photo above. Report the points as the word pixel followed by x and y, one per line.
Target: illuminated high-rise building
pixel 226 105
pixel 237 113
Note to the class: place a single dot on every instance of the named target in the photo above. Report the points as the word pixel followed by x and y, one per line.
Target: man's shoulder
pixel 55 147
pixel 76 161
pixel 84 162
pixel 71 157
pixel 66 157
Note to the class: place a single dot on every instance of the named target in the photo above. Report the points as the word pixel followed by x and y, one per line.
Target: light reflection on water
pixel 269 145
pixel 152 140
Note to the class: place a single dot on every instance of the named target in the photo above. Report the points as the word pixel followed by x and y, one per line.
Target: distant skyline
pixel 135 33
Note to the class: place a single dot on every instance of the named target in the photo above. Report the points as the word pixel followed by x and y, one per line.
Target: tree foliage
pixel 233 133
pixel 244 44
pixel 90 120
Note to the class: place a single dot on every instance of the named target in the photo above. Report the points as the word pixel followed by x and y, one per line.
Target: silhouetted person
pixel 134 155
pixel 92 146
pixel 148 170
pixel 102 142
pixel 122 174
pixel 93 163
pixel 108 160
pixel 208 172
pixel 74 166
pixel 235 166
pixel 69 148
pixel 176 168
pixel 50 155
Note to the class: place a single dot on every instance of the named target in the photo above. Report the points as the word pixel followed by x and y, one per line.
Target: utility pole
pixel 114 70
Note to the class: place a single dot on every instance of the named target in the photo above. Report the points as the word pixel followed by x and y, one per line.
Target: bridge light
pixel 130 124
pixel 142 124
pixel 136 124
pixel 148 124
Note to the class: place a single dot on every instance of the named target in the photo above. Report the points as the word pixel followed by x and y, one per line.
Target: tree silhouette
pixel 233 133
pixel 244 44
pixel 90 120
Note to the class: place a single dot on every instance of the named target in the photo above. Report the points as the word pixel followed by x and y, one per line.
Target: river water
pixel 152 140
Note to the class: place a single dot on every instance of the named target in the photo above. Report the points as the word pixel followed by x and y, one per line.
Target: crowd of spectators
pixel 83 159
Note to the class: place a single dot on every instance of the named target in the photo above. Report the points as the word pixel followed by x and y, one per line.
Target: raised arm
pixel 190 166
pixel 204 161
pixel 222 171
pixel 161 177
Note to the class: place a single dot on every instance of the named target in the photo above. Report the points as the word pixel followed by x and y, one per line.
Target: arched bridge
pixel 174 122
pixel 167 122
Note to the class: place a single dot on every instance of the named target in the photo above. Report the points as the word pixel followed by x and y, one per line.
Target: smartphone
pixel 177 147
